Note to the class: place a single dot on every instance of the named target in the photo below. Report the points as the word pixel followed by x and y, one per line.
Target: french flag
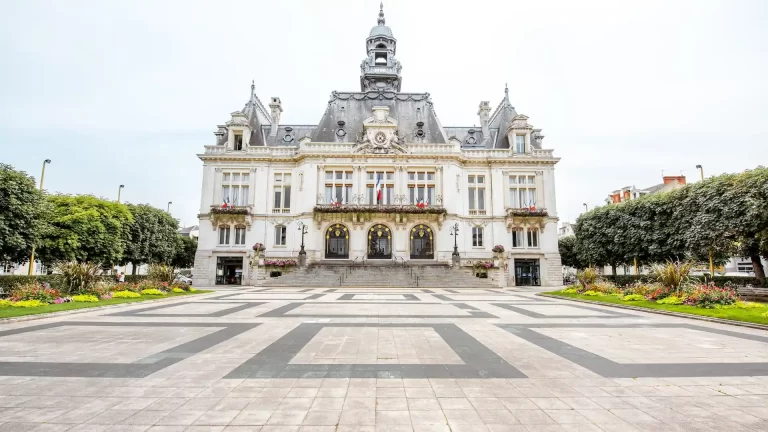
pixel 378 188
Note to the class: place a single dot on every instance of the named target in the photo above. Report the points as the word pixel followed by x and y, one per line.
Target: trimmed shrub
pixel 5 303
pixel 570 291
pixel 28 303
pixel 178 290
pixel 152 292
pixel 125 294
pixel 673 300
pixel 592 293
pixel 633 297
pixel 85 298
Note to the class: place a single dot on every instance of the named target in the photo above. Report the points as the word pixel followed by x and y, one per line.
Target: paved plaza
pixel 364 360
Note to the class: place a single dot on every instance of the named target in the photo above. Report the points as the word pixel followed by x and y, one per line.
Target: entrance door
pixel 229 270
pixel 337 242
pixel 527 272
pixel 421 242
pixel 379 242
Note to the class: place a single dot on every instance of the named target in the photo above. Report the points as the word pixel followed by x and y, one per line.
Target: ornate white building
pixel 378 178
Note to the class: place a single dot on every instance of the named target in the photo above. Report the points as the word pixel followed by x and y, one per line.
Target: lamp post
pixel 586 209
pixel 120 189
pixel 455 255
pixel 302 253
pixel 169 206
pixel 31 270
pixel 701 171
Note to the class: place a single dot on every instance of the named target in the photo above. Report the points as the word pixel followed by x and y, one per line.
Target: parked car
pixel 186 280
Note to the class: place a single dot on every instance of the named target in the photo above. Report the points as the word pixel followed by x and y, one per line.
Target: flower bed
pixel 706 300
pixel 34 298
pixel 280 262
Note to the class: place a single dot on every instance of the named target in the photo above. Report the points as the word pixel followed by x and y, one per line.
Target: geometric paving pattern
pixel 365 360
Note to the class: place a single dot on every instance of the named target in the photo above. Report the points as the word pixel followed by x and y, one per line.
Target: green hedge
pixel 9 281
pixel 624 280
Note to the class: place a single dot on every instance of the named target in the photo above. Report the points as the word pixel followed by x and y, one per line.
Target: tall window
pixel 477 236
pixel 476 194
pixel 238 145
pixel 239 235
pixel 280 235
pixel 522 191
pixel 386 179
pixel 421 187
pixel 518 238
pixel 224 235
pixel 338 186
pixel 519 143
pixel 282 203
pixel 234 188
pixel 533 238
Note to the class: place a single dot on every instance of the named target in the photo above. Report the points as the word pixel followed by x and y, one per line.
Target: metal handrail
pixel 417 281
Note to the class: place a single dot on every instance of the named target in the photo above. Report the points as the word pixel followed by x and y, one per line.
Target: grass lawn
pixel 10 312
pixel 752 315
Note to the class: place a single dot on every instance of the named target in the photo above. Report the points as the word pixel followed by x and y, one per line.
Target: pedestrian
pixel 121 278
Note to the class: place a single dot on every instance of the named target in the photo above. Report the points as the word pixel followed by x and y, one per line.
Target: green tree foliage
pixel 151 238
pixel 185 252
pixel 84 228
pixel 722 216
pixel 22 214
pixel 568 253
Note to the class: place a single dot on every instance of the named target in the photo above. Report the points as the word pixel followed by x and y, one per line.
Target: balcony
pixel 527 217
pixel 359 214
pixel 230 215
pixel 281 210
pixel 477 212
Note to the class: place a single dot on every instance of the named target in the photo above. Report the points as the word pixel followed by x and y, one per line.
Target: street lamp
pixel 31 269
pixel 169 206
pixel 302 253
pixel 120 189
pixel 701 170
pixel 455 233
pixel 586 209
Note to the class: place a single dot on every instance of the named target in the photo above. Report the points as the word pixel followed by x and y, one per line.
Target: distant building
pixel 628 193
pixel 190 231
pixel 565 230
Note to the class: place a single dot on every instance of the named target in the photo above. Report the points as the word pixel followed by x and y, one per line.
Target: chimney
pixel 484 112
pixel 276 108
pixel 678 180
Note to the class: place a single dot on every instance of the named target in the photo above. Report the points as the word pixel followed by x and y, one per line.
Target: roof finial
pixel 506 92
pixel 381 14
pixel 253 87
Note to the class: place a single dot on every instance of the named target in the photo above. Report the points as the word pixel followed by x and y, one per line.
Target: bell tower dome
pixel 380 71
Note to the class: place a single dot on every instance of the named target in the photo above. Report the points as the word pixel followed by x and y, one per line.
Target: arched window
pixel 379 242
pixel 422 242
pixel 224 231
pixel 337 242
pixel 381 46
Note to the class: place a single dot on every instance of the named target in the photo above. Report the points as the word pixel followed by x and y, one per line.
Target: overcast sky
pixel 127 92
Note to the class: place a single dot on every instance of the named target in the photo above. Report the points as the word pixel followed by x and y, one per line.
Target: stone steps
pixel 379 276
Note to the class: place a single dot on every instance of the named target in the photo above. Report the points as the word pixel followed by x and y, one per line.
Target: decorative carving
pixel 301 181
pixel 380 135
pixel 458 182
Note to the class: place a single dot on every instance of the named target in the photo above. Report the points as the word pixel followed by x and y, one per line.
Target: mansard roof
pixel 354 107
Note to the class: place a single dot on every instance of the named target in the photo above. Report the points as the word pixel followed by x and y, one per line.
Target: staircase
pixel 380 276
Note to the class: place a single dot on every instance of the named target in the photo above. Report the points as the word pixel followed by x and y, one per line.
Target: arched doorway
pixel 422 242
pixel 337 242
pixel 379 242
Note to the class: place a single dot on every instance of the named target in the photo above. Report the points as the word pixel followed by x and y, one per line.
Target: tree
pixel 22 214
pixel 598 237
pixel 84 228
pixel 568 252
pixel 748 216
pixel 185 252
pixel 150 238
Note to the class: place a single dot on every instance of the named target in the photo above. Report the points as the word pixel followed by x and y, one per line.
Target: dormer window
pixel 238 144
pixel 381 46
pixel 381 58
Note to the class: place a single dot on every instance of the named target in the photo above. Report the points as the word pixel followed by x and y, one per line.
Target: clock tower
pixel 380 71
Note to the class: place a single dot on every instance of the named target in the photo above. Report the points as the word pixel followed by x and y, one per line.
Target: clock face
pixel 380 137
